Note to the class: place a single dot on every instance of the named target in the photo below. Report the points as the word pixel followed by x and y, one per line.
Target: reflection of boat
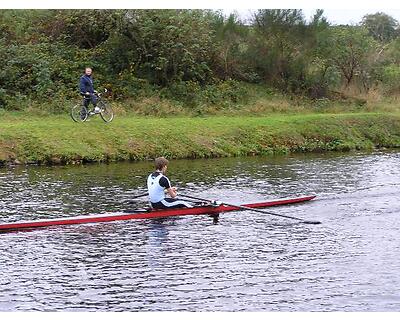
pixel 145 214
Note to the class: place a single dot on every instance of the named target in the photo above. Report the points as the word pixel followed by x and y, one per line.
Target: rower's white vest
pixel 156 192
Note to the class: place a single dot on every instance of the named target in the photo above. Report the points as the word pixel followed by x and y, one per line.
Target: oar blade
pixel 311 222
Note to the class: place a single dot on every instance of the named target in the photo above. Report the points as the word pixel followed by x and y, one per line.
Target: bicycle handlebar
pixel 95 93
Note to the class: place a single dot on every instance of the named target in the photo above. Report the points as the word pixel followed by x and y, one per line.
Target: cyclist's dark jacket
pixel 86 84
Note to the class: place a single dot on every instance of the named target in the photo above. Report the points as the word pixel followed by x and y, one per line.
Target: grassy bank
pixel 56 139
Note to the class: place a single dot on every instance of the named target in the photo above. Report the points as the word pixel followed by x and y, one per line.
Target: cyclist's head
pixel 88 71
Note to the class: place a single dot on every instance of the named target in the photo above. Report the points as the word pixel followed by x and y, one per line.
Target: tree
pixel 279 21
pixel 351 48
pixel 381 26
pixel 392 52
pixel 86 29
pixel 279 35
pixel 165 45
pixel 290 53
pixel 229 41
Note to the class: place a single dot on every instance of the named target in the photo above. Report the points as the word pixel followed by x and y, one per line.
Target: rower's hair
pixel 160 162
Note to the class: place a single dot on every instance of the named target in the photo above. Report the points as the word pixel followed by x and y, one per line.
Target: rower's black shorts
pixel 169 203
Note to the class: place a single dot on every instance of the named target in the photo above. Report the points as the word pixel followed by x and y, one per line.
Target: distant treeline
pixel 180 54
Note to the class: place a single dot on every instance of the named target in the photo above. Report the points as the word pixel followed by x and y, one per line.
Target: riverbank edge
pixel 57 140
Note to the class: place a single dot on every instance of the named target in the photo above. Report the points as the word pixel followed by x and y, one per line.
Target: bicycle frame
pixel 105 111
pixel 89 98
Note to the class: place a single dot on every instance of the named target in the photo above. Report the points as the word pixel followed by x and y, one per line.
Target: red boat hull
pixel 145 215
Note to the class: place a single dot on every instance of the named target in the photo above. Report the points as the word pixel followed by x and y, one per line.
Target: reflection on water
pixel 248 261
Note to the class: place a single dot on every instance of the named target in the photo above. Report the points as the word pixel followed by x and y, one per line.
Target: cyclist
pixel 87 89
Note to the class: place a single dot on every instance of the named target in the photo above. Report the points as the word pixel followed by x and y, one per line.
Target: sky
pixel 334 16
pixel 353 16
pixel 337 11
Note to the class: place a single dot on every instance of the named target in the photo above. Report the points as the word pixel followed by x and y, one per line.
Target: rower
pixel 158 184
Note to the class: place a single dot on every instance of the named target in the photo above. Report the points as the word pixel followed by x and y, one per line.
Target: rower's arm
pixel 164 182
pixel 172 192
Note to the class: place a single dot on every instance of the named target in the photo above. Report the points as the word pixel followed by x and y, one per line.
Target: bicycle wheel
pixel 79 113
pixel 106 112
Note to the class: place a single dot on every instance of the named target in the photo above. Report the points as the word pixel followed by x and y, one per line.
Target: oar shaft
pixel 256 210
pixel 140 195
pixel 135 197
pixel 263 211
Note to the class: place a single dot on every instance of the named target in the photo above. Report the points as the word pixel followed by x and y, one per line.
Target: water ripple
pixel 247 262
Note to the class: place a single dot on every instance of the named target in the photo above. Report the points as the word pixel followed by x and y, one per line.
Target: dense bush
pixel 391 78
pixel 221 94
pixel 41 70
pixel 162 46
pixel 196 57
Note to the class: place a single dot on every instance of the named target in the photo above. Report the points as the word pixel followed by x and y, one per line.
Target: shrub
pixel 391 78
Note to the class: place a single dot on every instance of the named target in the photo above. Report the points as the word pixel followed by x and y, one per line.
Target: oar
pixel 140 195
pixel 256 210
pixel 135 197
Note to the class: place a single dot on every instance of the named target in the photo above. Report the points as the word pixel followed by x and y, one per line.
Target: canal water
pixel 247 262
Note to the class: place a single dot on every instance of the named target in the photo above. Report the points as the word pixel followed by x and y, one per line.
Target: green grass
pixel 56 139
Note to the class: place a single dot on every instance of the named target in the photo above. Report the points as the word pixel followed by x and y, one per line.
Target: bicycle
pixel 80 113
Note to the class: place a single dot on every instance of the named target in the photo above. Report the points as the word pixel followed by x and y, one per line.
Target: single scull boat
pixel 145 214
